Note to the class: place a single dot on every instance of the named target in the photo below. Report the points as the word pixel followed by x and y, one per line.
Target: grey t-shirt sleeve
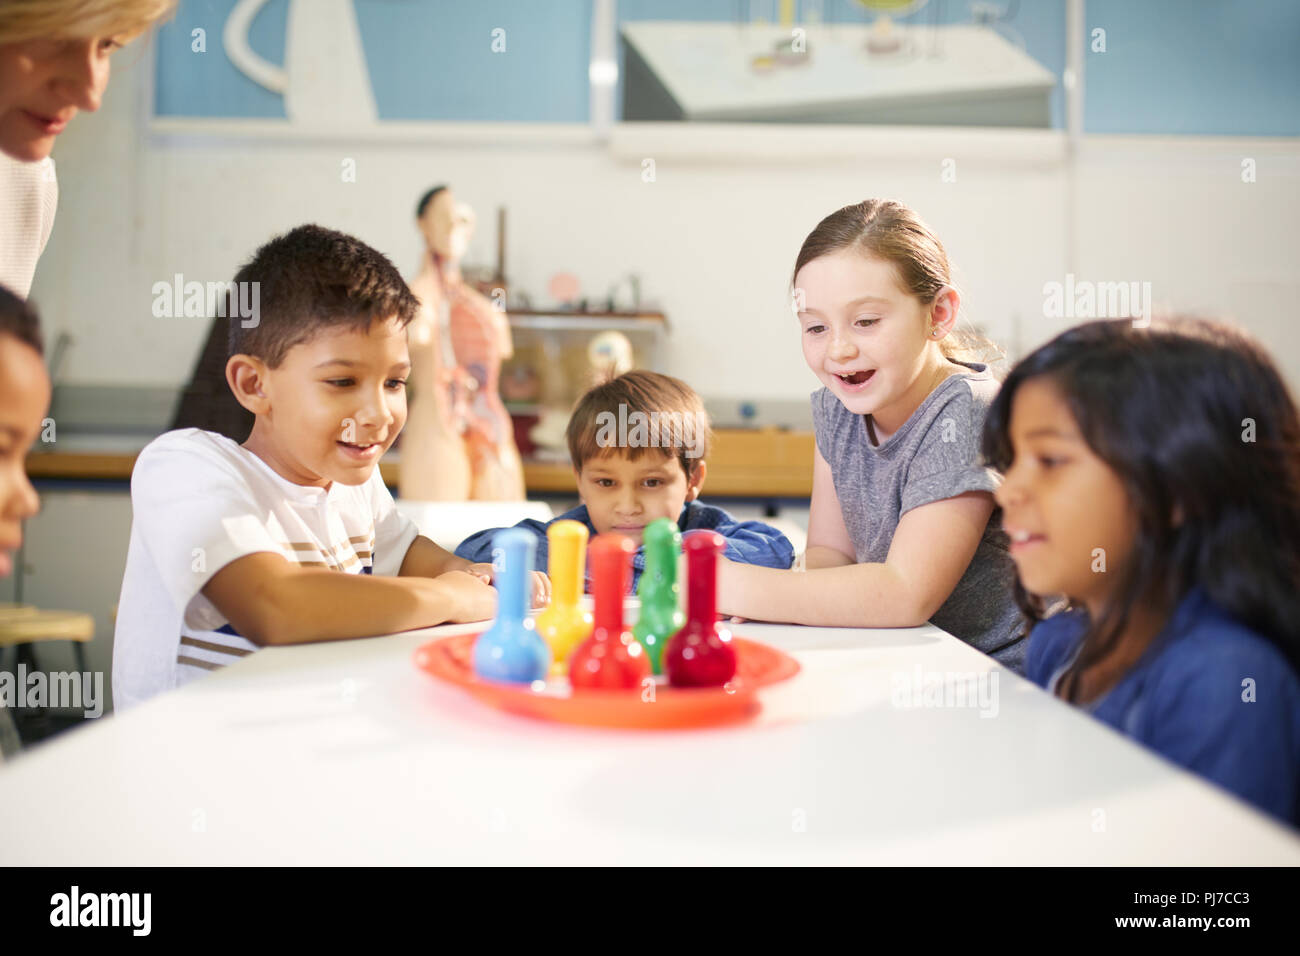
pixel 946 460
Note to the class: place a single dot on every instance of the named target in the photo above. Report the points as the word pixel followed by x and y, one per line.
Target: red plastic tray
pixel 757 665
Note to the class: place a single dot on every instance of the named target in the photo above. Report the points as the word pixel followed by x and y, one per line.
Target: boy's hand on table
pixel 540 584
pixel 472 598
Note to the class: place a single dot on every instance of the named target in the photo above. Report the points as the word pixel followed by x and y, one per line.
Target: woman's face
pixel 1069 517
pixel 46 82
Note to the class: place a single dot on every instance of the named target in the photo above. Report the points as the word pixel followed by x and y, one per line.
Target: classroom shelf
pixel 743 463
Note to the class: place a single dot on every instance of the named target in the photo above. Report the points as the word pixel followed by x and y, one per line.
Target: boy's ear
pixel 577 480
pixel 695 482
pixel 246 376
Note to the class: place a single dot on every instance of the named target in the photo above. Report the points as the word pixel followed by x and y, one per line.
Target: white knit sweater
pixel 29 193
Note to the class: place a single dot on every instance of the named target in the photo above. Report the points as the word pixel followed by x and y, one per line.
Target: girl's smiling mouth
pixel 855 379
pixel 1021 539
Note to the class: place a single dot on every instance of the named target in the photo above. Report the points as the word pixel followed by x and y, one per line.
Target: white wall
pixel 713 238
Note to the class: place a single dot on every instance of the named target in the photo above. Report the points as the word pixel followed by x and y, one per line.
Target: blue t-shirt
pixel 748 542
pixel 1209 693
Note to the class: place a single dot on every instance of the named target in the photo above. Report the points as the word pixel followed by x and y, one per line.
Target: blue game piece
pixel 511 649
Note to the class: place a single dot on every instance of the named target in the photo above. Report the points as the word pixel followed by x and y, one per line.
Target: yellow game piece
pixel 564 624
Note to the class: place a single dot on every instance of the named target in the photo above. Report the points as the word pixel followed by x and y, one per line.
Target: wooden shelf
pixel 81 466
pixel 652 322
pixel 762 463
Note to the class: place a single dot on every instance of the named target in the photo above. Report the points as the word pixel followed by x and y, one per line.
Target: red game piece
pixel 611 659
pixel 700 654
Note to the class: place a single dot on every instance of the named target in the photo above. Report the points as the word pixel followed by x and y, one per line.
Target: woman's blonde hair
pixel 892 232
pixel 22 20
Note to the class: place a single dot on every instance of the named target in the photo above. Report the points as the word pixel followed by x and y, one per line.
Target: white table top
pixel 706 67
pixel 344 753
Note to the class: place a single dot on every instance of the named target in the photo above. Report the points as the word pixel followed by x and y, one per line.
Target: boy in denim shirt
pixel 638 445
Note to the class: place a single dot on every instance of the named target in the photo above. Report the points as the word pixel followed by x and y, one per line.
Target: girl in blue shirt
pixel 1152 479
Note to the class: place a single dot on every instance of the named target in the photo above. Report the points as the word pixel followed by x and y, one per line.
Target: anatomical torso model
pixel 458 442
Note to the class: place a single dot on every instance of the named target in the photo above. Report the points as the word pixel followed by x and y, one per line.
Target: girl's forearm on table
pixel 855 595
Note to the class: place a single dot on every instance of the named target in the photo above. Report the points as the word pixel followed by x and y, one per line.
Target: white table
pixel 953 75
pixel 345 753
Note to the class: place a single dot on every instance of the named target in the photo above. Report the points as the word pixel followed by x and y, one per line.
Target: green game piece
pixel 661 607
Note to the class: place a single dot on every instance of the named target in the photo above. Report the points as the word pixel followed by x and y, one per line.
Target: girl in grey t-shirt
pixel 903 528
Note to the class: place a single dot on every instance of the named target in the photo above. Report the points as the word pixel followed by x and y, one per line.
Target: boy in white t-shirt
pixel 234 547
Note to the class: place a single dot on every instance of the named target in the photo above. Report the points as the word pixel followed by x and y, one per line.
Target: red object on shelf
pixel 450 659
pixel 523 426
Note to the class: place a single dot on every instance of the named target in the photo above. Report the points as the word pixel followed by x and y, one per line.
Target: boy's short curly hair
pixel 311 279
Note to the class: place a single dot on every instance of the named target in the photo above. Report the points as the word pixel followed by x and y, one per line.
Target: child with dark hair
pixel 292 536
pixel 24 399
pixel 1152 478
